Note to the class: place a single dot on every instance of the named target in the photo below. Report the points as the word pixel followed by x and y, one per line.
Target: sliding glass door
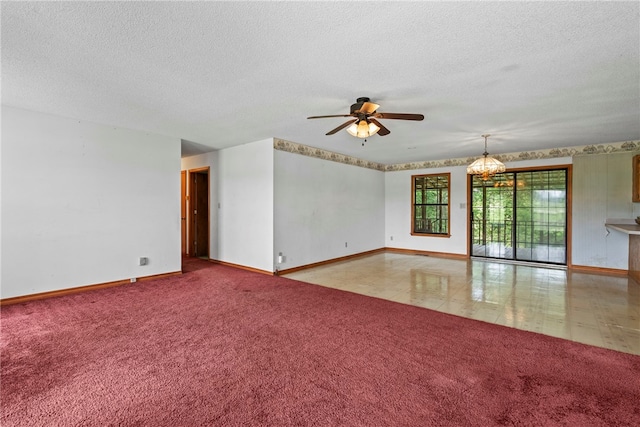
pixel 520 215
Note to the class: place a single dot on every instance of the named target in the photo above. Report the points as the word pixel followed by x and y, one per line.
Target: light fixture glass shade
pixel 363 129
pixel 486 166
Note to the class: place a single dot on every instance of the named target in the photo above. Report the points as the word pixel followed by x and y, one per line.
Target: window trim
pixel 413 205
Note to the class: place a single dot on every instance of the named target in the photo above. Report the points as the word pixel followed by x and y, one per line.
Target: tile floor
pixel 599 310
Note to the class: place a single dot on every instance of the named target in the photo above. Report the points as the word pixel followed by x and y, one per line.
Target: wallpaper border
pixel 305 150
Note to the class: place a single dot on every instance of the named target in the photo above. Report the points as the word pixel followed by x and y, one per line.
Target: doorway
pixel 521 216
pixel 198 210
pixel 183 211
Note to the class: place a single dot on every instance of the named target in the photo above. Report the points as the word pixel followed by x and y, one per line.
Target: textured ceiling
pixel 535 75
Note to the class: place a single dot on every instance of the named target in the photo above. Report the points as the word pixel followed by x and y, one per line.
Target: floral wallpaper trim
pixel 293 147
pixel 305 150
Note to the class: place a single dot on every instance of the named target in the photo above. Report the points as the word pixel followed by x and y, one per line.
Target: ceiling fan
pixel 366 119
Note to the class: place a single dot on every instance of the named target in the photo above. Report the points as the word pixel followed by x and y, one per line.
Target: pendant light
pixel 486 166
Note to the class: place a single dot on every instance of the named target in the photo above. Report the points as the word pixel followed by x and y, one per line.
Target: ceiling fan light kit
pixel 486 166
pixel 363 129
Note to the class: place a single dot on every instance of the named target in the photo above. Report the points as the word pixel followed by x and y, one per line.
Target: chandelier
pixel 486 166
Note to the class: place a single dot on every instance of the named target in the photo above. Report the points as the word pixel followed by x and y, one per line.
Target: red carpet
pixel 221 346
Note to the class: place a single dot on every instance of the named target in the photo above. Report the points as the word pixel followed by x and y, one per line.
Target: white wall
pixel 244 177
pixel 320 205
pixel 602 189
pixel 398 208
pixel 241 200
pixel 202 161
pixel 81 202
pixel 398 212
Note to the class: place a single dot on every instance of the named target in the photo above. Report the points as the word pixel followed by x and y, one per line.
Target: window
pixel 430 214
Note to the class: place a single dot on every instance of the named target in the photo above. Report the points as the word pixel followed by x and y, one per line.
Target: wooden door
pixel 198 233
pixel 636 178
pixel 183 210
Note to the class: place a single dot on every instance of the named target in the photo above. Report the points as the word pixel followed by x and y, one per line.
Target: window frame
pixel 568 168
pixel 414 205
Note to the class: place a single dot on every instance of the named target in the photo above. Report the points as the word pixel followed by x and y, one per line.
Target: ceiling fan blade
pixel 399 116
pixel 342 126
pixel 368 107
pixel 383 130
pixel 336 115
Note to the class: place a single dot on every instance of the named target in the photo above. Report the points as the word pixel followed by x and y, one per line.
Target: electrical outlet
pixel 143 261
pixel 345 244
pixel 391 238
